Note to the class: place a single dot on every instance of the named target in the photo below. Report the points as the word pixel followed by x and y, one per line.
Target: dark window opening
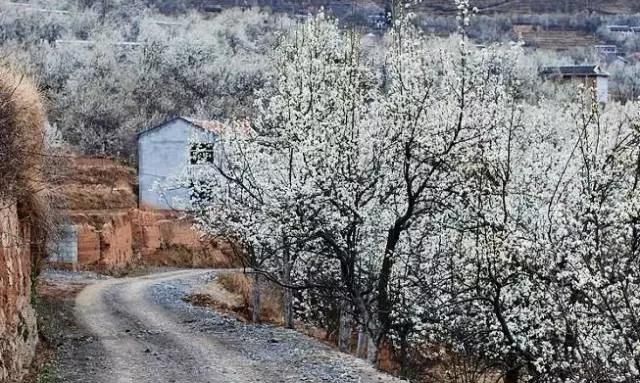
pixel 201 153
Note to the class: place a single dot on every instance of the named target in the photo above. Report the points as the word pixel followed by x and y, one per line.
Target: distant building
pixel 523 29
pixel 606 50
pixel 208 8
pixel 609 54
pixel 379 21
pixel 302 16
pixel 166 153
pixel 590 75
pixel 622 29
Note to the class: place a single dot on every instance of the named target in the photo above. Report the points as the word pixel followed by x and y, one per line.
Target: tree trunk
pixel 287 306
pixel 512 376
pixel 345 330
pixel 361 349
pixel 404 351
pixel 256 298
pixel 372 351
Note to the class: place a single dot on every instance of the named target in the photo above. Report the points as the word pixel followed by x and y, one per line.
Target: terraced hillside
pixel 559 39
pixel 448 6
pixel 434 7
pixel 536 6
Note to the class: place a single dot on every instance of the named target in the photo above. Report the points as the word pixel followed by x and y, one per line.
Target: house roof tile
pixel 574 71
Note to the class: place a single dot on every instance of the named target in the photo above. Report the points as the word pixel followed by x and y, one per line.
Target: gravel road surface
pixel 141 330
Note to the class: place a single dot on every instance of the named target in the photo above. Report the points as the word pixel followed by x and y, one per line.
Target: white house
pixel 166 152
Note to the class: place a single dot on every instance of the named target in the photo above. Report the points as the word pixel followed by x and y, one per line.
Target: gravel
pixel 300 357
pixel 141 330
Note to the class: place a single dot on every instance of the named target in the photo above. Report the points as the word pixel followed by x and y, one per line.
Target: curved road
pixel 140 330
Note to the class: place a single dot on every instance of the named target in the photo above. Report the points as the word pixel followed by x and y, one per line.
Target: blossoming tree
pixel 435 197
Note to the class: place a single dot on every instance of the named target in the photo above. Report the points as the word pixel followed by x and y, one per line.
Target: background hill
pixel 110 68
pixel 437 7
pixel 537 6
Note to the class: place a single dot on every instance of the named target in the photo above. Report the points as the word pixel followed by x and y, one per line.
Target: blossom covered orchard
pixel 434 196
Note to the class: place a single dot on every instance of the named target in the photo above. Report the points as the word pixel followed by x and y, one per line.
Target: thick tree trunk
pixel 361 350
pixel 287 297
pixel 288 308
pixel 345 330
pixel 256 301
pixel 384 305
pixel 372 351
pixel 512 376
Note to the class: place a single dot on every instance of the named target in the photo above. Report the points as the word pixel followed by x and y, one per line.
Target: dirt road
pixel 140 330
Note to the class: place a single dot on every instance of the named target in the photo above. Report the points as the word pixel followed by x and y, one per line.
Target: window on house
pixel 201 153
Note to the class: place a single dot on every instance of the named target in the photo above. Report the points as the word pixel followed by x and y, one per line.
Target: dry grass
pixel 96 197
pixel 271 296
pixel 96 184
pixel 232 293
pixel 22 158
pixel 22 119
pixel 182 256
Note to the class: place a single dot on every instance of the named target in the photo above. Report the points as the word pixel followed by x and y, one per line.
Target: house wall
pixel 599 84
pixel 163 158
pixel 602 89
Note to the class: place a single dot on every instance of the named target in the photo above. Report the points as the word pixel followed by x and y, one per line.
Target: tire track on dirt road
pixel 127 354
pixel 142 331
pixel 203 358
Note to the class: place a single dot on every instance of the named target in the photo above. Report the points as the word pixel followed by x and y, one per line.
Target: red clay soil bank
pixel 22 218
pixel 114 239
pixel 98 197
pixel 18 332
pixel 155 230
pixel 104 239
pixel 167 238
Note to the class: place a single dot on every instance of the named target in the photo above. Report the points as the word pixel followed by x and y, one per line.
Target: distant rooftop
pixel 574 71
pixel 216 127
pixel 210 125
pixel 619 28
pixel 623 28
